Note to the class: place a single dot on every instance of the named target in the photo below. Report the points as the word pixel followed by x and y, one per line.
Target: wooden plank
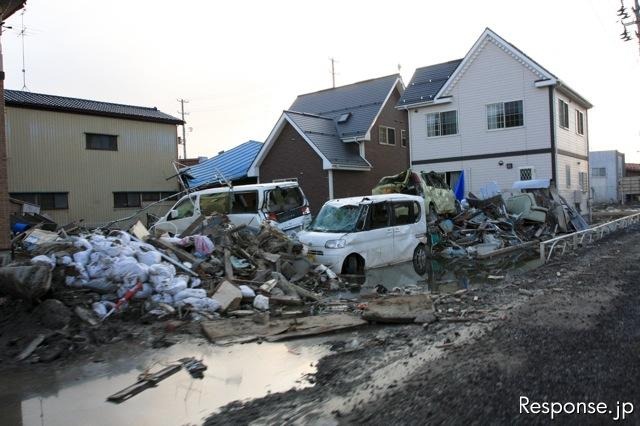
pixel 193 226
pixel 143 384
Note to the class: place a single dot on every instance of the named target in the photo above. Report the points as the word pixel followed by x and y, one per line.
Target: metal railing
pixel 577 239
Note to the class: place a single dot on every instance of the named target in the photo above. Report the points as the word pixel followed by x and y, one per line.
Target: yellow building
pixel 82 159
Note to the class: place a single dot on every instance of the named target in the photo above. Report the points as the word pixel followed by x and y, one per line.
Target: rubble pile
pixel 223 270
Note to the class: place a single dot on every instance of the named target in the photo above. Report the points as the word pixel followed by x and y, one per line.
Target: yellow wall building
pixel 81 159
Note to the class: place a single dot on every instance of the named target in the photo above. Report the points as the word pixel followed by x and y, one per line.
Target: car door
pixel 404 240
pixel 377 240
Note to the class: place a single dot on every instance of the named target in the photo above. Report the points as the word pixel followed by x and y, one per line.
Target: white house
pixel 498 115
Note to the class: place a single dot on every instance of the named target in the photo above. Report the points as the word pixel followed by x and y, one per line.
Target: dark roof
pixel 363 100
pixel 230 165
pixel 427 82
pixel 321 131
pixel 17 98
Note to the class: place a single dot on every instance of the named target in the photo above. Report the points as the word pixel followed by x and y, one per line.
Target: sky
pixel 240 63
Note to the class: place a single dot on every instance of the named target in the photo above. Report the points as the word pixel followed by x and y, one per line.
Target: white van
pixel 283 203
pixel 350 235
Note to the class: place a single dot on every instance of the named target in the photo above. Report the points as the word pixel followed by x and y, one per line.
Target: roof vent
pixel 221 152
pixel 344 118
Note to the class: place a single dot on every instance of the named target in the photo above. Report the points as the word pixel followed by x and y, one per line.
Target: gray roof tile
pixel 427 82
pixel 24 99
pixel 363 100
pixel 321 131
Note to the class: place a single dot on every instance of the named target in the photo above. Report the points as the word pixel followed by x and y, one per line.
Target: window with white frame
pixel 442 123
pixel 502 115
pixel 403 137
pixel 387 135
pixel 527 173
pixel 567 171
pixel 583 181
pixel 579 122
pixel 599 171
pixel 563 113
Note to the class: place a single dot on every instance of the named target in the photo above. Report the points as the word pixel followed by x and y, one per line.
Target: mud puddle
pixel 443 275
pixel 77 394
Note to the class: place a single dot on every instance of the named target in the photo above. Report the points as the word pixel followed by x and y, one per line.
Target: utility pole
pixel 622 14
pixel 184 124
pixel 23 32
pixel 333 72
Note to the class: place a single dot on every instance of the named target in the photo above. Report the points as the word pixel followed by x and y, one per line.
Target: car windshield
pixel 333 218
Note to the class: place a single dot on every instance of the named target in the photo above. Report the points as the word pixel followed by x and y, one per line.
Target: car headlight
pixel 335 244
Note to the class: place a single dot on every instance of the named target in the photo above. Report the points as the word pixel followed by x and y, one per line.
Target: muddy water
pixel 77 394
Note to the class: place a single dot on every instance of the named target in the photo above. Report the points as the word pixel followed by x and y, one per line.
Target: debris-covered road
pixel 567 332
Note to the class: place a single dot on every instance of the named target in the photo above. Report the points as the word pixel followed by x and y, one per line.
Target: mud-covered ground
pixel 567 332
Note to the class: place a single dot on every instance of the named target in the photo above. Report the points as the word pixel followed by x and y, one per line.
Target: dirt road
pixel 568 332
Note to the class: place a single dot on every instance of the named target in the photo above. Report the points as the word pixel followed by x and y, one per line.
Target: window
pixel 567 169
pixel 102 142
pixel 563 111
pixel 502 115
pixel 126 199
pixel 442 123
pixel 150 196
pixel 46 200
pixel 403 137
pixel 214 203
pixel 599 172
pixel 526 173
pixel 245 202
pixel 406 212
pixel 344 118
pixel 579 122
pixel 387 135
pixel 582 181
pixel 379 216
pixel 184 209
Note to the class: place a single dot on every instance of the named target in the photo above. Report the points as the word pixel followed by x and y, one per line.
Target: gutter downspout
pixel 330 176
pixel 552 131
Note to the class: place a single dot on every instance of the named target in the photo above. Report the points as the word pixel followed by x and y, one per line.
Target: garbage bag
pixel 127 269
pixel 82 243
pixel 162 298
pixel 101 286
pixel 143 293
pixel 247 292
pixel 51 261
pixel 196 293
pixel 205 304
pixel 149 257
pixel 203 245
pixel 261 303
pixel 82 257
pixel 195 282
pixel 161 273
pixel 173 286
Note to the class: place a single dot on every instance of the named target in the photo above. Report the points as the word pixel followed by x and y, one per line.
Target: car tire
pixel 420 259
pixel 351 265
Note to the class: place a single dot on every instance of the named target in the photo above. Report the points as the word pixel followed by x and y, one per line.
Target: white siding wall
pixel 572 192
pixel 494 76
pixel 569 139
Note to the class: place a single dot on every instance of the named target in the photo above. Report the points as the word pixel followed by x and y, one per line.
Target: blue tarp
pixel 230 165
pixel 459 189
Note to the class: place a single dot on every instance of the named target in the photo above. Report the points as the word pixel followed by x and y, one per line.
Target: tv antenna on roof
pixel 22 33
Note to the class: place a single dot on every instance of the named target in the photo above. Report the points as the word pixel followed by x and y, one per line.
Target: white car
pixel 283 203
pixel 350 235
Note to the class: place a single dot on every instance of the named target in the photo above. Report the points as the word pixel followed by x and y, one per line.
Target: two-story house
pixel 499 116
pixel 338 142
pixel 83 159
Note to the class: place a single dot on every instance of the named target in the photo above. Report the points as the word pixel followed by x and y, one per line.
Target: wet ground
pixel 77 394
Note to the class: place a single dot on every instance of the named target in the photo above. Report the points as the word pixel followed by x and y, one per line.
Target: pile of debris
pixel 494 225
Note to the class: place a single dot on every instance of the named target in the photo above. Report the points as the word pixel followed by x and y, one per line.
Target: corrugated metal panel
pixel 46 153
pixel 230 165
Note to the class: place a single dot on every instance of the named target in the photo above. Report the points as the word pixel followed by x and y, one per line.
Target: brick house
pixel 338 142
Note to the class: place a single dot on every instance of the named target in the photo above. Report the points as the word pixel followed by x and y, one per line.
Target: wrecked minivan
pixel 283 203
pixel 350 235
pixel 438 197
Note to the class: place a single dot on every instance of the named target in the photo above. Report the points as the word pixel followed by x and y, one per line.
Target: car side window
pixel 214 203
pixel 403 213
pixel 379 216
pixel 184 209
pixel 416 212
pixel 245 202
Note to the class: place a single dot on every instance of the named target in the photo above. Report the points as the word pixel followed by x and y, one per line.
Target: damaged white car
pixel 350 235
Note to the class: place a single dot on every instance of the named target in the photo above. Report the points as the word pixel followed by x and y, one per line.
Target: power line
pixel 184 124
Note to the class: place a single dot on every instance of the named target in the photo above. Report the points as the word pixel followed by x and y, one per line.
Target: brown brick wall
pixel 291 157
pixel 385 159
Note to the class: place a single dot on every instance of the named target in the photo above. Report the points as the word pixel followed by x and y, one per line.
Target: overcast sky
pixel 240 63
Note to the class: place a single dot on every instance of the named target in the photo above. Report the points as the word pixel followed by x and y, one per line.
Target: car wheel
pixel 433 214
pixel 420 259
pixel 351 265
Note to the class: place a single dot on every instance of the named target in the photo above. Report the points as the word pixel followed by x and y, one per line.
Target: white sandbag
pixel 102 308
pixel 51 261
pixel 82 243
pixel 174 286
pixel 196 293
pixel 82 257
pixel 144 292
pixel 195 282
pixel 161 273
pixel 261 303
pixel 65 260
pixel 205 304
pixel 122 236
pixel 162 298
pixel 127 269
pixel 247 292
pixel 149 258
